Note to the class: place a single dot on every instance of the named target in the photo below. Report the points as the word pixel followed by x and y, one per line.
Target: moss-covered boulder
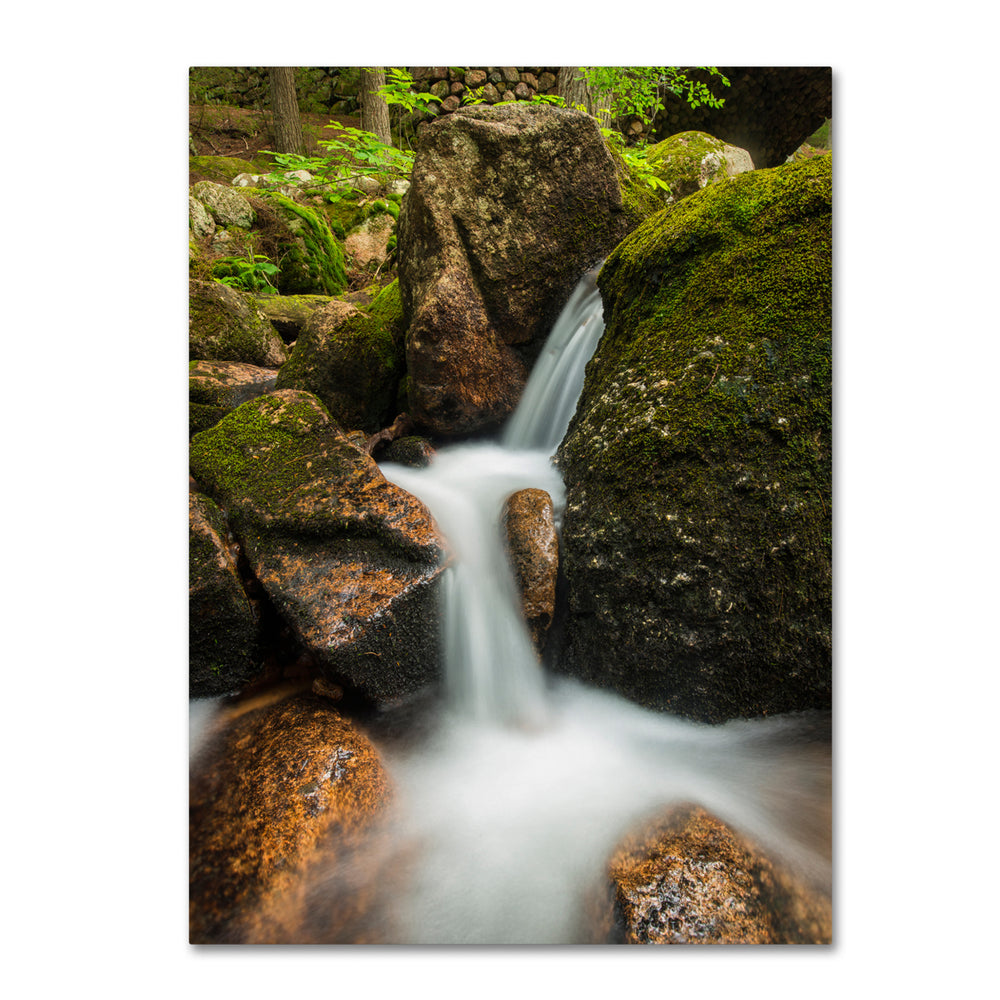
pixel 289 313
pixel 226 325
pixel 299 239
pixel 697 530
pixel 223 624
pixel 353 361
pixel 276 785
pixel 689 161
pixel 349 560
pixel 508 206
pixel 216 387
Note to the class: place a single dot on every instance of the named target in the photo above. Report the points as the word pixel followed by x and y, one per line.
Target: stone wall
pixel 490 84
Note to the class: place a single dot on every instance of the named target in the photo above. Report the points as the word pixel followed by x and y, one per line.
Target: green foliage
pixel 250 273
pixel 639 90
pixel 635 159
pixel 399 92
pixel 348 152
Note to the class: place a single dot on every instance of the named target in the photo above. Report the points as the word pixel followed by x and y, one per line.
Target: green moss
pixel 309 256
pixel 260 457
pixel 387 308
pixel 221 169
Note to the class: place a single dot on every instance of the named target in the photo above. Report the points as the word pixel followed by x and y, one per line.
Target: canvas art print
pixel 510 505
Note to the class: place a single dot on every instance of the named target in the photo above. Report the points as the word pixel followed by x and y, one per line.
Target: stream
pixel 528 782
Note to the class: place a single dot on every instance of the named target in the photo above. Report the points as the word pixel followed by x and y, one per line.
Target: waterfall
pixel 550 396
pixel 526 785
pixel 490 669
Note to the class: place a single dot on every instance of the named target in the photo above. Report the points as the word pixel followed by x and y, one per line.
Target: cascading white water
pixel 520 796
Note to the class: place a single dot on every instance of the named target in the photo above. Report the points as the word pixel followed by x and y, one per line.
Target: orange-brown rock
pixel 276 787
pixel 690 879
pixel 350 560
pixel 533 550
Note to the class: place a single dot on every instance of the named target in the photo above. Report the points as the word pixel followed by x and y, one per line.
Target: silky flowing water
pixel 528 782
pixel 509 808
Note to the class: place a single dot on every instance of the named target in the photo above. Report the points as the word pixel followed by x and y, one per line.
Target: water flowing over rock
pixel 226 325
pixel 350 560
pixel 276 783
pixel 222 622
pixel 692 880
pixel 508 207
pixel 533 549
pixel 697 531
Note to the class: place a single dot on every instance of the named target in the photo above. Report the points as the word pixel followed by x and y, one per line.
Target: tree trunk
pixel 374 110
pixel 285 109
pixel 575 90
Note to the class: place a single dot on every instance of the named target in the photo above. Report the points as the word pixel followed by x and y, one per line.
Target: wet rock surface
pixel 274 786
pixel 349 560
pixel 216 387
pixel 692 880
pixel 222 622
pixel 532 547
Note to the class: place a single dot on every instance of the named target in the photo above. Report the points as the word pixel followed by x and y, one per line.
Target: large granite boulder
pixel 348 559
pixel 222 622
pixel 508 206
pixel 697 531
pixel 226 325
pixel 274 786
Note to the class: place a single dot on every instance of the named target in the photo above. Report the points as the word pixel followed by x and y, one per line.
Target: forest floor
pixel 220 130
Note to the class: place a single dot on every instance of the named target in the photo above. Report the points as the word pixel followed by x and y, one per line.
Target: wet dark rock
pixel 216 387
pixel 223 626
